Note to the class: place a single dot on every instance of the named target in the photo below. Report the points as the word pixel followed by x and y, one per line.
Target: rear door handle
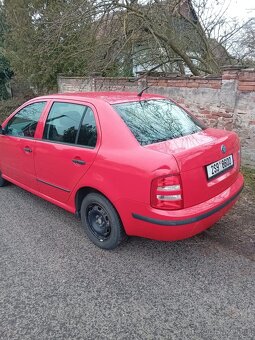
pixel 27 149
pixel 78 161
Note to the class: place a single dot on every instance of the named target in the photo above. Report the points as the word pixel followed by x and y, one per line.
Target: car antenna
pixel 141 92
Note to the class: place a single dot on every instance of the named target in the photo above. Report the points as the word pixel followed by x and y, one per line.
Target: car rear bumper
pixel 175 225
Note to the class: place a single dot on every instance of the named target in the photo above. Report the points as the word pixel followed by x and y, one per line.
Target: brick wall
pixel 225 102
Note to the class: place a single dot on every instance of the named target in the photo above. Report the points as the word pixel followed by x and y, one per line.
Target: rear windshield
pixel 153 121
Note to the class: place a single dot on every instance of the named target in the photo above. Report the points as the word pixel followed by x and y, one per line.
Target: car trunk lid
pixel 194 153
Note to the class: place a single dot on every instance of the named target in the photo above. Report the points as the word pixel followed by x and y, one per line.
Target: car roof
pixel 109 97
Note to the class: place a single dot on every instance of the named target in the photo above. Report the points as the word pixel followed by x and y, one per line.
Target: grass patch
pixel 249 177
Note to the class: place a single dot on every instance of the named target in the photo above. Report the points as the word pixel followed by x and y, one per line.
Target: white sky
pixel 243 9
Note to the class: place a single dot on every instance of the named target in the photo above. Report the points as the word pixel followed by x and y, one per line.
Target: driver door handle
pixel 78 161
pixel 27 149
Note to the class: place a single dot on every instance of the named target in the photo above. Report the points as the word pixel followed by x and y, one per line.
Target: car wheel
pixel 101 222
pixel 3 182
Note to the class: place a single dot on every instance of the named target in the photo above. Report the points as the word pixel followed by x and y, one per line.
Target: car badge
pixel 223 148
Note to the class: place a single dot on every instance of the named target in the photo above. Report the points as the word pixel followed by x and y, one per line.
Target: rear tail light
pixel 166 193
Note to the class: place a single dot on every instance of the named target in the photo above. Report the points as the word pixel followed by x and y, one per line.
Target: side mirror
pixel 2 131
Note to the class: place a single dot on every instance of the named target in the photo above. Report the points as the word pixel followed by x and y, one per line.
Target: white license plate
pixel 218 167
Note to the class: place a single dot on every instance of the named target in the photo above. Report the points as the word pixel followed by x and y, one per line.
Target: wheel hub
pixel 98 221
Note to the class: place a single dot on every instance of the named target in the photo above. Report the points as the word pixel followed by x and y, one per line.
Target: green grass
pixel 249 176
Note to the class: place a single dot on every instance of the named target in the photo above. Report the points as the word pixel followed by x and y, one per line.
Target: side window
pixel 24 123
pixel 88 133
pixel 63 122
pixel 72 124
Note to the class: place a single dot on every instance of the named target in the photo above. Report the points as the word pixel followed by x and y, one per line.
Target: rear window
pixel 153 121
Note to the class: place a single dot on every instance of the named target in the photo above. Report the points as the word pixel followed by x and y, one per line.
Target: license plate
pixel 220 166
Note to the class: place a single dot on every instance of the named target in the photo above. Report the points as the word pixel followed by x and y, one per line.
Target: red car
pixel 126 164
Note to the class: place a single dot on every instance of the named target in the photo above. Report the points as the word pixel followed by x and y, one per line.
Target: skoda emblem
pixel 223 148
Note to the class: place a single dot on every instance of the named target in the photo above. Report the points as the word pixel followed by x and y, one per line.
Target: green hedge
pixel 8 106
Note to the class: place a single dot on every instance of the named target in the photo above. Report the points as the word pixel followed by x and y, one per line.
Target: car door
pixel 69 144
pixel 18 145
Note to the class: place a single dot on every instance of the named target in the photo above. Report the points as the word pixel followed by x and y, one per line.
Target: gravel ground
pixel 54 284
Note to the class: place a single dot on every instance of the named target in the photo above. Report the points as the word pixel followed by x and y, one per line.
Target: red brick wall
pixel 194 82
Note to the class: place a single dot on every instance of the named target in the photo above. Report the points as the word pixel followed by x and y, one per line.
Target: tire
pixel 101 222
pixel 3 182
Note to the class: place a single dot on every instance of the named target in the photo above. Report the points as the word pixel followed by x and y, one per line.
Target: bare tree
pixel 112 37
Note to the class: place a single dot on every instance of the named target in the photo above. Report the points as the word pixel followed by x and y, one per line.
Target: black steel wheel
pixel 101 221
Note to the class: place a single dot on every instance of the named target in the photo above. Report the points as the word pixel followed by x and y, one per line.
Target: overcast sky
pixel 242 9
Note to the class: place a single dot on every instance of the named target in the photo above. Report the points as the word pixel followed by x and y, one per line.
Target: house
pixel 162 37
